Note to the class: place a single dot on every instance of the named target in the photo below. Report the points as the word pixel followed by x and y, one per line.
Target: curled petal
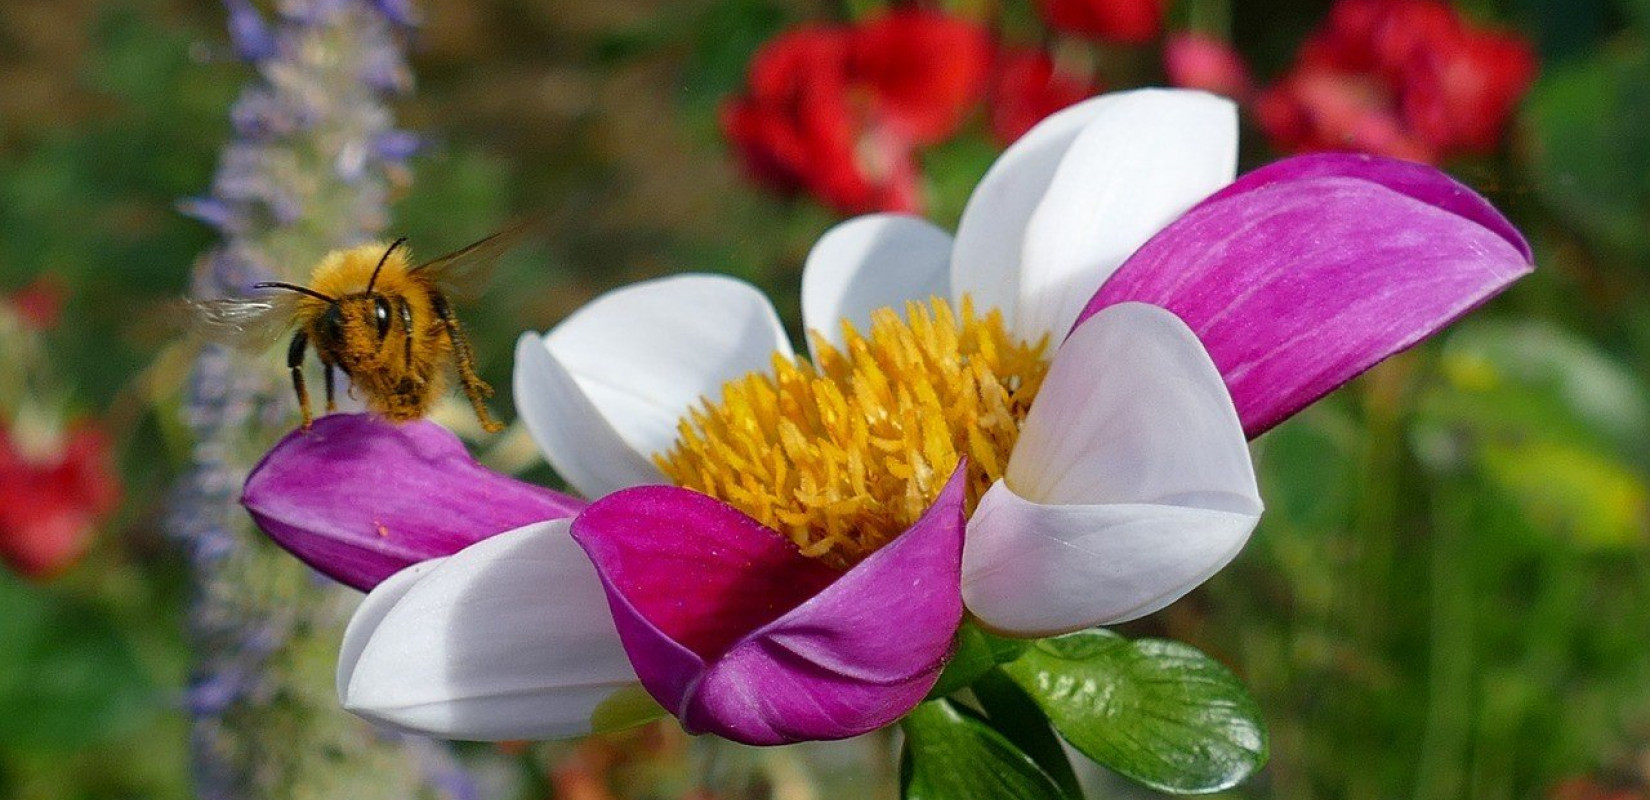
pixel 359 499
pixel 1147 158
pixel 1130 483
pixel 1069 201
pixel 871 262
pixel 509 639
pixel 1306 274
pixel 604 390
pixel 739 635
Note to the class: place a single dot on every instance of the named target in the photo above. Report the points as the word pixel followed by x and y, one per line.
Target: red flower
pixel 838 112
pixel 1200 61
pixel 49 506
pixel 40 303
pixel 1407 78
pixel 1026 88
pixel 924 70
pixel 1124 21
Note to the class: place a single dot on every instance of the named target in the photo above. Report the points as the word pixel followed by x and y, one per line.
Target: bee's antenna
pixel 381 260
pixel 292 288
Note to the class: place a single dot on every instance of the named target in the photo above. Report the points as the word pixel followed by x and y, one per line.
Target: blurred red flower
pixel 40 302
pixel 1200 61
pixel 838 111
pixel 924 70
pixel 1123 21
pixel 1026 88
pixel 1406 78
pixel 50 504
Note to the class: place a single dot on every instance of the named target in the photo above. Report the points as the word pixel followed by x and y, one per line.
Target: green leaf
pixel 67 678
pixel 1156 711
pixel 953 755
pixel 1013 714
pixel 975 654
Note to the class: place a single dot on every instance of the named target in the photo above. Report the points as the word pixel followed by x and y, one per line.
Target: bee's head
pixel 354 323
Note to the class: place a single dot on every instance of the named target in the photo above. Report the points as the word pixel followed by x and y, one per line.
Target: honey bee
pixel 386 324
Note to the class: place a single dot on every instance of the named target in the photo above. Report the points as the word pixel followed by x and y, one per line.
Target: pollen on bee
pixel 843 454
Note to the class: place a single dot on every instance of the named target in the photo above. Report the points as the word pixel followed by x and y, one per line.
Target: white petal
pixel 509 639
pixel 985 262
pixel 371 612
pixel 641 356
pixel 871 262
pixel 1142 161
pixel 1130 483
pixel 574 435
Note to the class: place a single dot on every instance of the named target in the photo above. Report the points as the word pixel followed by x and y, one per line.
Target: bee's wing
pixel 246 323
pixel 463 274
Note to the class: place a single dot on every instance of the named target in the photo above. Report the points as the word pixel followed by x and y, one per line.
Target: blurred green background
pixel 1449 596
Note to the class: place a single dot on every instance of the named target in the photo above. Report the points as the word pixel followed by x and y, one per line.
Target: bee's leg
pixel 295 363
pixel 474 387
pixel 331 406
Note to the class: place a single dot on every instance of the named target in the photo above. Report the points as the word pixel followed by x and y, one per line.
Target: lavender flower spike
pixel 259 621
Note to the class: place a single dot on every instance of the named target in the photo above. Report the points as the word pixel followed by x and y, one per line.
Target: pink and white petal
pixel 641 356
pixel 739 635
pixel 1140 163
pixel 1130 483
pixel 1420 181
pixel 359 499
pixel 985 262
pixel 1313 273
pixel 509 639
pixel 871 262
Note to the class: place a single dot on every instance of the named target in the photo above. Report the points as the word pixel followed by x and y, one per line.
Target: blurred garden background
pixel 1448 597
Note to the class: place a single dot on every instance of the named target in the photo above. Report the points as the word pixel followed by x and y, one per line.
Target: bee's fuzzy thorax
pixel 346 272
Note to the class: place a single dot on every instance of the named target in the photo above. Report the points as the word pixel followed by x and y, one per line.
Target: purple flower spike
pixel 1306 273
pixel 359 499
pixel 737 634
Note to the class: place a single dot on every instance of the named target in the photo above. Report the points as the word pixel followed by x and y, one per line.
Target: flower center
pixel 844 454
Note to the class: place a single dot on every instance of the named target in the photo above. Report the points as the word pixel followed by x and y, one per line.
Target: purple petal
pixel 817 659
pixel 1419 181
pixel 1297 285
pixel 359 499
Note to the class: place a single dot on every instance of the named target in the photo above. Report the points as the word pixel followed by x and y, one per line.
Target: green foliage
pixel 951 754
pixel 1157 711
pixel 68 678
pixel 1594 168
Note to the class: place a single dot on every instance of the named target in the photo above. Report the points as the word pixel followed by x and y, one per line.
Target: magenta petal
pixel 359 499
pixel 1296 284
pixel 1422 182
pixel 821 654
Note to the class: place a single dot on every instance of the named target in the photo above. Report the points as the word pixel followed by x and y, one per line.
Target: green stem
pixel 1444 739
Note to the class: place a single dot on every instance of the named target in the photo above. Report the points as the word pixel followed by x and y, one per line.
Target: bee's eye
pixel 381 315
pixel 332 324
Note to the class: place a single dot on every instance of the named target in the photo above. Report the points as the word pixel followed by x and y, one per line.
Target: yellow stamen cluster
pixel 844 454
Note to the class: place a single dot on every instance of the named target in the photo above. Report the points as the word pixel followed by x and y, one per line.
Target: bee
pixel 373 315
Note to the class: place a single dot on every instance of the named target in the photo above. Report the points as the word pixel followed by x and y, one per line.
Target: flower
pixel 1406 78
pixel 838 112
pixel 1122 21
pixel 1042 419
pixel 39 303
pixel 1199 61
pixel 52 498
pixel 1026 88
